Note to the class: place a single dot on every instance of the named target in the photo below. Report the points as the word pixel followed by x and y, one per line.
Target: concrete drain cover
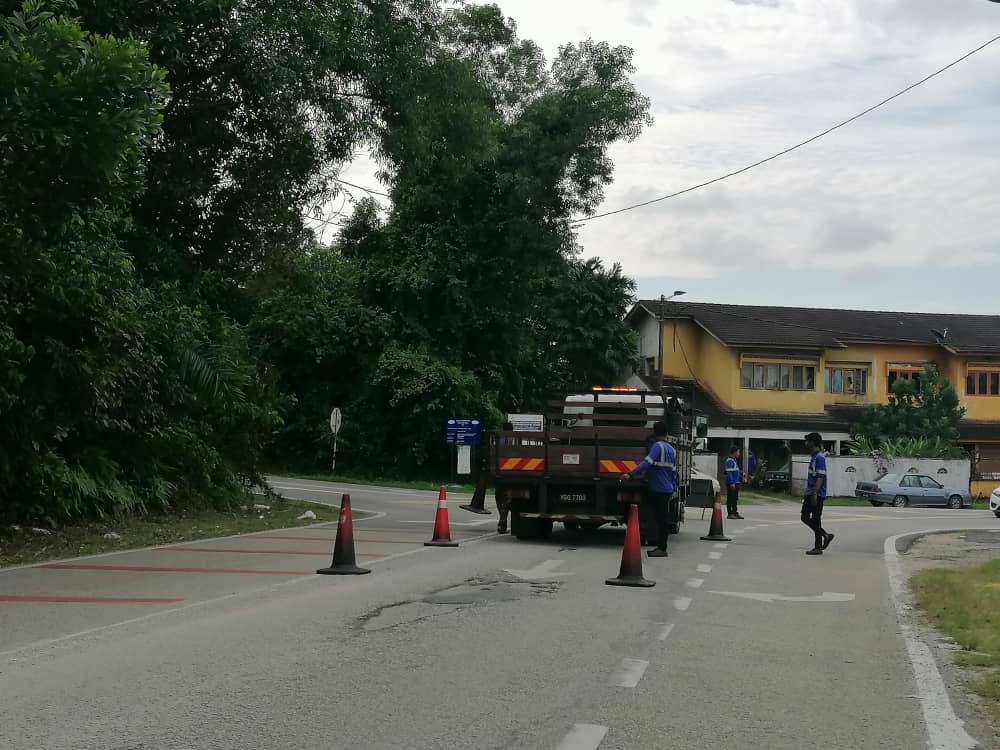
pixel 475 592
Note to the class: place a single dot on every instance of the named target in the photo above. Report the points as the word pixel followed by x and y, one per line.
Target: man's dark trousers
pixel 812 516
pixel 660 502
pixel 733 499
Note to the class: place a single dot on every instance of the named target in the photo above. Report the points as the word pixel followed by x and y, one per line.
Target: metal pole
pixel 333 463
pixel 660 357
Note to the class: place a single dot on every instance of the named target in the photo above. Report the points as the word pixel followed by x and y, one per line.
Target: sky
pixel 897 211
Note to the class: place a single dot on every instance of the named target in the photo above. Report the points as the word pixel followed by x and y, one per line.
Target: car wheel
pixel 900 501
pixel 955 502
pixel 996 513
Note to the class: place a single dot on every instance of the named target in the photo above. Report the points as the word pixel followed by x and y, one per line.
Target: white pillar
pixel 745 454
pixel 836 447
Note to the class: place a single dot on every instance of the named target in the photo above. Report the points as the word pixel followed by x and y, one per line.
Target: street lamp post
pixel 663 301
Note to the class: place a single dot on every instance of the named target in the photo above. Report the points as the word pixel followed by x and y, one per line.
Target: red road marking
pixel 259 537
pixel 149 569
pixel 251 551
pixel 85 600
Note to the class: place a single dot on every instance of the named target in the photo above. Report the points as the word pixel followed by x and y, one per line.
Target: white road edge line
pixel 665 631
pixel 629 672
pixel 945 731
pixel 583 737
pixel 681 603
pixel 163 612
pixel 704 568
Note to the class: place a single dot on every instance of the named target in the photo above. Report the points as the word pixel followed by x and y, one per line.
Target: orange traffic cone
pixel 715 532
pixel 442 531
pixel 478 504
pixel 344 562
pixel 630 573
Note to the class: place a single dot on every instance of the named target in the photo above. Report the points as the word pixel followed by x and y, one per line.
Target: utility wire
pixel 367 190
pixel 963 58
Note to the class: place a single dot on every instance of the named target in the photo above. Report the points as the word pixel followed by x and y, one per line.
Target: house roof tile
pixel 816 328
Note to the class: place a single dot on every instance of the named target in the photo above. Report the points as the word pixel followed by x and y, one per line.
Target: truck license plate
pixel 571 459
pixel 574 499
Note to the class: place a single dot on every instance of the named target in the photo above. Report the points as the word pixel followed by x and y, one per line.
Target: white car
pixel 995 502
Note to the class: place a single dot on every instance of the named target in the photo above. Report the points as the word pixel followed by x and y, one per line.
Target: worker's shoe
pixel 826 540
pixel 736 517
pixel 657 552
pixel 501 529
pixel 815 551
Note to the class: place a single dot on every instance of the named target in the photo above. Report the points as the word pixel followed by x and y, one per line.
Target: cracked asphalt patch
pixel 473 592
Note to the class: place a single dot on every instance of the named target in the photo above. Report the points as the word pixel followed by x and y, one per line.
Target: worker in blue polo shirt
pixel 812 503
pixel 661 463
pixel 733 476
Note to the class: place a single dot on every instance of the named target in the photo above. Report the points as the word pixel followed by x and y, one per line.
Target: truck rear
pixel 570 471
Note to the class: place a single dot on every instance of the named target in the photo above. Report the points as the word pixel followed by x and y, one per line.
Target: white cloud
pixel 731 82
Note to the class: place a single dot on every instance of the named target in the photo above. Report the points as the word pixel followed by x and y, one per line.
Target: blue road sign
pixel 463 431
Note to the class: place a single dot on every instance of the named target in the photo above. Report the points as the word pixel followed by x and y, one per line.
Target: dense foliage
pixel 168 321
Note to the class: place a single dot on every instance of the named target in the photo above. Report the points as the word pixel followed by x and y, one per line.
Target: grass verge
pixel 366 482
pixel 25 546
pixel 965 604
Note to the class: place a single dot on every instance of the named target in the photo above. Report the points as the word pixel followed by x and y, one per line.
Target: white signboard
pixel 336 419
pixel 527 422
pixel 465 459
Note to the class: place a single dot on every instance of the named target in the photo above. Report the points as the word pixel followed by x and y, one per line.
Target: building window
pixel 850 380
pixel 904 373
pixel 777 377
pixel 979 383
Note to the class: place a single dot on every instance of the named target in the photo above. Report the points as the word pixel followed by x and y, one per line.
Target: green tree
pixel 926 408
pixel 77 113
pixel 482 205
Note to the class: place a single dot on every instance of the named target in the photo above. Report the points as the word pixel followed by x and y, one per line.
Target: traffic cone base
pixel 478 504
pixel 352 570
pixel 344 560
pixel 442 530
pixel 715 531
pixel 630 573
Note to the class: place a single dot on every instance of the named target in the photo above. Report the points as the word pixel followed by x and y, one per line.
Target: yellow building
pixel 774 373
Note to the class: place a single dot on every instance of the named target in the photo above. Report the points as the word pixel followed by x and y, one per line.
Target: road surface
pixel 494 644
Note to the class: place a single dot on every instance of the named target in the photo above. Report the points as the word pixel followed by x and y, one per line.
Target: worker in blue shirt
pixel 812 504
pixel 661 463
pixel 733 476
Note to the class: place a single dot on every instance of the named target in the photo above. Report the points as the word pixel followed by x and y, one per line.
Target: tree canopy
pixel 169 324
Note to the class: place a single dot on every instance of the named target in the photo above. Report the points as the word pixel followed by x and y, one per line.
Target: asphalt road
pixel 494 644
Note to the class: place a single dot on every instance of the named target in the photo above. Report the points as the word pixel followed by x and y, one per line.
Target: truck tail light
pixel 625 496
pixel 518 493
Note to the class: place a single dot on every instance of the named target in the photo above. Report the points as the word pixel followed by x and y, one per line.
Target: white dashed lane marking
pixel 629 672
pixel 583 737
pixel 681 603
pixel 694 583
pixel 704 568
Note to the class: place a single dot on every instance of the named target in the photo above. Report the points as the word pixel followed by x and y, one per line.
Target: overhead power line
pixel 367 190
pixel 848 121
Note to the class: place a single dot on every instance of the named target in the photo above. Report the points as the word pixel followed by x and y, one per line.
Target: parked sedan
pixel 995 502
pixel 911 489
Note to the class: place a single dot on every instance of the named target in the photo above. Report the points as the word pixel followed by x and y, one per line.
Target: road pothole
pixel 473 592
